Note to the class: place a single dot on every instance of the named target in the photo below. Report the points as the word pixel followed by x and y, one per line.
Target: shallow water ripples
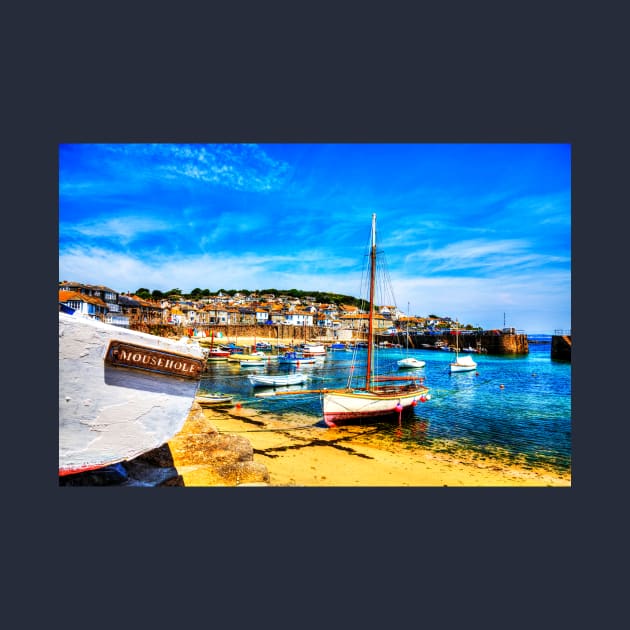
pixel 527 421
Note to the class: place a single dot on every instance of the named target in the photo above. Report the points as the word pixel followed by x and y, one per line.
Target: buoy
pixel 238 405
pixel 427 397
pixel 423 398
pixel 399 407
pixel 502 386
pixel 476 373
pixel 414 402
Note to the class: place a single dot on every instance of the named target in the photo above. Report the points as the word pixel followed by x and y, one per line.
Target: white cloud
pixel 124 228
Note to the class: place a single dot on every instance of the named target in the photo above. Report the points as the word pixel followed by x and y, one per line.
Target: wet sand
pixel 298 454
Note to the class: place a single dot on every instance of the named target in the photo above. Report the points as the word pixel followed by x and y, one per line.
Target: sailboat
pixel 464 363
pixel 408 361
pixel 216 354
pixel 379 396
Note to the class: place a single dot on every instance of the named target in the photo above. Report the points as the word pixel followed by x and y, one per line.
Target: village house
pixel 358 322
pixel 216 315
pixel 262 315
pixel 246 316
pixel 88 305
pixel 298 318
pixel 136 310
pixel 105 294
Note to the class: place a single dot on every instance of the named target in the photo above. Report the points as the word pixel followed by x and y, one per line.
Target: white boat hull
pixel 121 392
pixel 313 350
pixel 296 360
pixel 259 380
pixel 410 362
pixel 357 405
pixel 463 364
pixel 212 400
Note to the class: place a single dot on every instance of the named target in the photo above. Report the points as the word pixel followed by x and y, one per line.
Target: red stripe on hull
pixel 81 469
pixel 339 419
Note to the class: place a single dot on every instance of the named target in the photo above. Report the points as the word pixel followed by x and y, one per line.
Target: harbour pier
pixel 561 345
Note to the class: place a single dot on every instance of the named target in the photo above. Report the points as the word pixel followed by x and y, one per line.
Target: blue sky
pixel 470 231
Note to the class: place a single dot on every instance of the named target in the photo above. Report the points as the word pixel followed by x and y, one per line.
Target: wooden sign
pixel 129 355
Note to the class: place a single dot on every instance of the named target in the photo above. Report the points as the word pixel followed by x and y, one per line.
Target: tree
pixel 143 293
pixel 157 295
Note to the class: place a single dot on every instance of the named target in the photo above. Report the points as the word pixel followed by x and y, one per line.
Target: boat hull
pixel 113 404
pixel 356 407
pixel 291 358
pixel 463 368
pixel 277 381
pixel 463 364
pixel 410 363
pixel 208 400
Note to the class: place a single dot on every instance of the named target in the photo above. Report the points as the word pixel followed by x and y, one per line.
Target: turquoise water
pixel 526 422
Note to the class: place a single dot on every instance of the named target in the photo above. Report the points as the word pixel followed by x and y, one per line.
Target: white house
pixel 298 318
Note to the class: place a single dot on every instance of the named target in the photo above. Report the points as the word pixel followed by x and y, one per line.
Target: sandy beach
pixel 307 455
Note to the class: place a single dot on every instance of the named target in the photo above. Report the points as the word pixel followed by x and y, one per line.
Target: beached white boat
pixel 121 392
pixel 462 363
pixel 206 399
pixel 271 380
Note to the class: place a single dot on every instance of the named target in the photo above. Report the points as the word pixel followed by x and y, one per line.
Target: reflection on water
pixel 517 409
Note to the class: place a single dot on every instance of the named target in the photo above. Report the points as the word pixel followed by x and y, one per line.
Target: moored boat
pixel 294 358
pixel 271 380
pixel 241 357
pixel 410 362
pixel 462 363
pixel 216 354
pixel 249 363
pixel 380 396
pixel 313 349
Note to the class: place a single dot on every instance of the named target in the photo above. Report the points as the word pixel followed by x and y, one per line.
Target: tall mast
pixel 368 371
